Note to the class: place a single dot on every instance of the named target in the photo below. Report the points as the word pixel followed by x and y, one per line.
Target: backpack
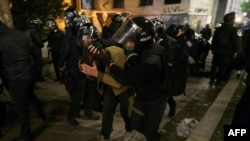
pixel 174 60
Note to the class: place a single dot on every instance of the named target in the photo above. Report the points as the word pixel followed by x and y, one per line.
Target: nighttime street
pixel 116 70
pixel 55 100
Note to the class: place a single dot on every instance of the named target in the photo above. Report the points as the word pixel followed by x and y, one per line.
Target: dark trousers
pixel 219 67
pixel 37 61
pixel 149 124
pixel 109 105
pixel 22 94
pixel 203 56
pixel 92 99
pixel 55 61
pixel 76 87
pixel 78 90
pixel 171 102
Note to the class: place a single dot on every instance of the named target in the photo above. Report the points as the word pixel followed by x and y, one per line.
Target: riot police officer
pixel 117 20
pixel 36 45
pixel 160 29
pixel 162 40
pixel 86 36
pixel 71 54
pixel 55 39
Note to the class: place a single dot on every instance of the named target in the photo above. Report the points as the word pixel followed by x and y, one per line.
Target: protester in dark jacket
pixel 225 45
pixel 17 70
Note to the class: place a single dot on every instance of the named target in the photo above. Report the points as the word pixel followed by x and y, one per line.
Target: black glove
pixel 107 59
pixel 98 45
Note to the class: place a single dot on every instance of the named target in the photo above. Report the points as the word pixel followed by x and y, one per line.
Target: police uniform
pixel 150 100
pixel 55 39
pixel 37 44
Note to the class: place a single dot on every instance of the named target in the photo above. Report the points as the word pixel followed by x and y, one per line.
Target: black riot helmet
pixel 140 28
pixel 35 23
pixel 87 29
pixel 159 25
pixel 80 21
pixel 70 14
pixel 51 24
pixel 117 18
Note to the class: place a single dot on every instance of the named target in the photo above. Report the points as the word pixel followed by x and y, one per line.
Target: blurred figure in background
pixel 36 42
pixel 189 32
pixel 225 46
pixel 109 31
pixel 55 40
pixel 206 32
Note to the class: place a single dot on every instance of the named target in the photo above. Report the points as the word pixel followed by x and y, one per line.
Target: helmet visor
pixel 128 29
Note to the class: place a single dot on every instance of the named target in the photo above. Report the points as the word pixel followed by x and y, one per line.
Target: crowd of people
pixel 100 72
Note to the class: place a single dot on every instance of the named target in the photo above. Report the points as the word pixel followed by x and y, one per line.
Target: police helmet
pixel 88 29
pixel 35 23
pixel 51 24
pixel 117 18
pixel 80 21
pixel 70 14
pixel 159 25
pixel 139 27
